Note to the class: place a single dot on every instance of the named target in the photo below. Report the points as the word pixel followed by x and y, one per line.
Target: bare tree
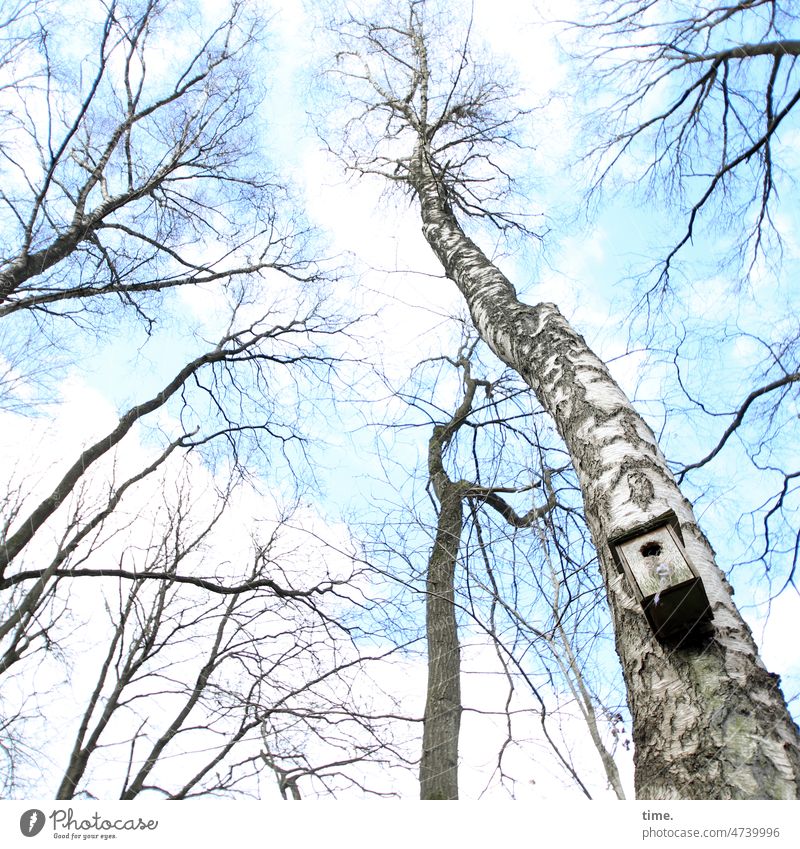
pixel 131 169
pixel 439 762
pixel 432 118
pixel 562 639
pixel 487 574
pixel 177 601
pixel 191 681
pixel 481 581
pixel 706 92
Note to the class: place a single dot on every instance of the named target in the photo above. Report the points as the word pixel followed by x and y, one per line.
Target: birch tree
pixel 709 721
pixel 700 110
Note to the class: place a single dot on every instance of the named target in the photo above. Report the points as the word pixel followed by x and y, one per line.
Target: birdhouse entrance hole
pixel 651 549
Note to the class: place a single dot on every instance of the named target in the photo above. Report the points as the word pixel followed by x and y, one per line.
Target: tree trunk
pixel 438 769
pixel 708 722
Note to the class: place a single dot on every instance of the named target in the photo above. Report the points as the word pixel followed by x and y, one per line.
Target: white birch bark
pixel 709 722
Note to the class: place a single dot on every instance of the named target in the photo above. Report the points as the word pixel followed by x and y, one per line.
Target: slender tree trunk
pixel 574 678
pixel 708 722
pixel 438 771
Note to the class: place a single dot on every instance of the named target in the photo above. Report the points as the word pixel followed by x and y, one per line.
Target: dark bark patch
pixel 641 490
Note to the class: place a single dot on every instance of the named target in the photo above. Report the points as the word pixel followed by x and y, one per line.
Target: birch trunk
pixel 710 722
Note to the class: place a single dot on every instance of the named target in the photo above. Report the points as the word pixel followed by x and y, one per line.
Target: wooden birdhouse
pixel 654 561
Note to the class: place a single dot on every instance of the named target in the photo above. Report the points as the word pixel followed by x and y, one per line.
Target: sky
pixel 586 265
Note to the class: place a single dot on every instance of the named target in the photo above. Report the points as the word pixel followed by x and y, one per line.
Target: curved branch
pixel 489 496
pixel 202 583
pixel 738 418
